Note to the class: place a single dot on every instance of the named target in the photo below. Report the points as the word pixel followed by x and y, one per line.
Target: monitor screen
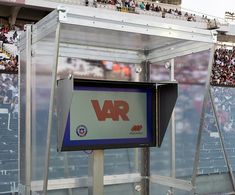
pixel 109 114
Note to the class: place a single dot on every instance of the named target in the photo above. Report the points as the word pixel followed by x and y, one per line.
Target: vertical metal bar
pixel 96 173
pixel 49 127
pixel 145 152
pixel 145 170
pixel 66 170
pixel 137 151
pixel 172 78
pixel 206 94
pixel 222 141
pixel 28 149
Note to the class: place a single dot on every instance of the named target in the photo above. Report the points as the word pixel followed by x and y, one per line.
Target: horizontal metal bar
pixel 57 184
pixel 172 182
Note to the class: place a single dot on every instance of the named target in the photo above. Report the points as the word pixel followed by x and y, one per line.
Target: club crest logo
pixel 81 130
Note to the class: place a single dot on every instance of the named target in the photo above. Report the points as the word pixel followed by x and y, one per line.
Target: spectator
pixel 147 6
pixel 142 5
pixel 14 107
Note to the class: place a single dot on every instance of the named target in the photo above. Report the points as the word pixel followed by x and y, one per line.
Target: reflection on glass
pixel 75 164
pixel 211 158
pixel 192 69
pixel 225 109
pixel 187 111
pixel 9 132
pixel 160 158
pixel 95 69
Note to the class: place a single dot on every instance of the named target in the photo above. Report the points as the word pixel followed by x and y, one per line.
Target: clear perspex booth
pixel 105 45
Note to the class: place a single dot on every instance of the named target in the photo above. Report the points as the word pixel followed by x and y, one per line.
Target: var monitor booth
pixel 95 115
pixel 112 114
pixel 87 128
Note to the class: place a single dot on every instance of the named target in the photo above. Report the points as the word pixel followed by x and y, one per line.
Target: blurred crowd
pixel 223 70
pixel 9 93
pixel 8 58
pixel 134 6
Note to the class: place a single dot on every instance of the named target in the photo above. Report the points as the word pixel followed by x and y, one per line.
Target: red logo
pixel 111 109
pixel 136 128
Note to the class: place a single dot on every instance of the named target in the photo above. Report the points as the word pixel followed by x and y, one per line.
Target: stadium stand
pixel 8 52
pixel 223 67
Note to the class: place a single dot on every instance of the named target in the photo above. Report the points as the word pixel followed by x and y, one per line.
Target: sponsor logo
pixel 115 110
pixel 136 129
pixel 81 130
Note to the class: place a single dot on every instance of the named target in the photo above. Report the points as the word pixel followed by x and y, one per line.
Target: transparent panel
pixel 8 132
pixel 160 72
pixel 160 158
pixel 180 192
pixel 187 112
pixel 127 189
pixel 75 164
pixel 225 109
pixel 214 184
pixel 42 62
pixel 121 161
pixel 192 69
pixel 212 176
pixel 157 189
pixel 191 73
pixel 211 159
pixel 80 191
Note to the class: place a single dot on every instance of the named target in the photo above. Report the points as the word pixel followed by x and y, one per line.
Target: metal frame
pixel 173 128
pixel 25 180
pixel 28 152
pixel 185 44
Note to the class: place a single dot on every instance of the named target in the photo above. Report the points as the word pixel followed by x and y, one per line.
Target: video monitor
pixel 110 114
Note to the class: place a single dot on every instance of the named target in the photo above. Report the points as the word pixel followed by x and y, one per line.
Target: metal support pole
pixel 28 150
pixel 138 70
pixel 66 171
pixel 202 119
pixel 49 127
pixel 145 171
pixel 172 78
pixel 96 173
pixel 222 141
pixel 145 152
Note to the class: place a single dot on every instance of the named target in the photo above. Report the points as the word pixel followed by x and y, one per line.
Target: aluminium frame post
pixel 173 123
pixel 145 152
pixel 51 106
pixel 28 147
pixel 202 119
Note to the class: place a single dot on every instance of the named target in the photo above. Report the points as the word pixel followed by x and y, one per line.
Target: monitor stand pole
pixel 96 173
